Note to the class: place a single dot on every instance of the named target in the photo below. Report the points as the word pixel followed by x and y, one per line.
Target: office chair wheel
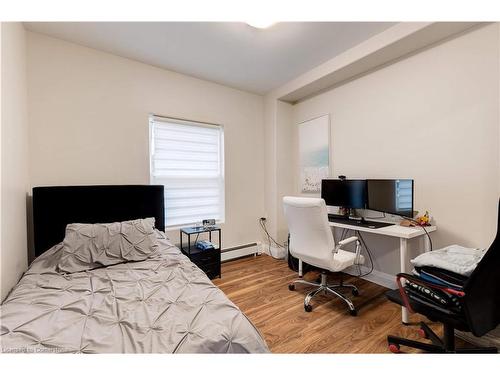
pixel 422 333
pixel 353 312
pixel 291 286
pixel 394 348
pixel 308 308
pixel 355 292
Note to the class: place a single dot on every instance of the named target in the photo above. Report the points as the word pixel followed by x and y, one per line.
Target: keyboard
pixel 360 223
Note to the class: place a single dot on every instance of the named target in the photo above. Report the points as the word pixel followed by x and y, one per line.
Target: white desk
pixel 403 233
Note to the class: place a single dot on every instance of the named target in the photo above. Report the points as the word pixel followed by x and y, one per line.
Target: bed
pixel 163 304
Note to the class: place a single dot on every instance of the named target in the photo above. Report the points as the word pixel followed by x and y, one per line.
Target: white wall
pixel 88 116
pixel 285 155
pixel 270 180
pixel 279 169
pixel 14 156
pixel 433 117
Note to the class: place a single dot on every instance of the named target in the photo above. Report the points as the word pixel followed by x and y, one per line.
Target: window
pixel 188 159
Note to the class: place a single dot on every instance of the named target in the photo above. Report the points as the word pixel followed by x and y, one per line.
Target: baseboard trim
pixel 376 276
pixel 239 251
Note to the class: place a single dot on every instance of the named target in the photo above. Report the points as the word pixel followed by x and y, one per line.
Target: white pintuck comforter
pixel 164 304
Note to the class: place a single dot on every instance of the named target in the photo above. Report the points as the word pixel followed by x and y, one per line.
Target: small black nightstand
pixel 207 260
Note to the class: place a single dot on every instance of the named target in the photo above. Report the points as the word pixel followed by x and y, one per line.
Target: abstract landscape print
pixel 314 153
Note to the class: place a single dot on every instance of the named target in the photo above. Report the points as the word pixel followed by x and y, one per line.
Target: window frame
pixel 222 179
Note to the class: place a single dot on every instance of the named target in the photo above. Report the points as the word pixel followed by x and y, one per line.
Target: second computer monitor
pixel 391 196
pixel 344 193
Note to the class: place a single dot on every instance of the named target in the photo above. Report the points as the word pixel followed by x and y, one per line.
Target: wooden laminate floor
pixel 259 287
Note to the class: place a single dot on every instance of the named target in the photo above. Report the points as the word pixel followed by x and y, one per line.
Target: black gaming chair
pixel 481 308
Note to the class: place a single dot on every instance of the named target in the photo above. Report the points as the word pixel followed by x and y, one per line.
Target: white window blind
pixel 188 159
pixel 404 195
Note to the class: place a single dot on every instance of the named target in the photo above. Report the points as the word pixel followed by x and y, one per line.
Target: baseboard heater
pixel 239 251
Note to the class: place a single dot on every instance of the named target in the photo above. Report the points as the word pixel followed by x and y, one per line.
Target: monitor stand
pixel 354 216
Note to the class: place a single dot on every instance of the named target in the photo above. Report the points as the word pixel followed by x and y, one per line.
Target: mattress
pixel 164 304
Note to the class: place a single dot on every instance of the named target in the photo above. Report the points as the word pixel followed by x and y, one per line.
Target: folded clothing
pixel 435 297
pixel 457 259
pixel 433 305
pixel 441 277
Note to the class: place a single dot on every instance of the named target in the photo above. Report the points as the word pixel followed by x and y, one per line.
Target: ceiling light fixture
pixel 260 24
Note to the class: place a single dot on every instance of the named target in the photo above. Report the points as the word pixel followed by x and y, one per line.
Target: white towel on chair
pixel 454 258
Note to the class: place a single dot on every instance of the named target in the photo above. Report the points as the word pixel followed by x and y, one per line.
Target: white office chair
pixel 311 241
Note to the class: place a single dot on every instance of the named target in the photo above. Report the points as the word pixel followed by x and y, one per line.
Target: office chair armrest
pixel 402 291
pixel 347 241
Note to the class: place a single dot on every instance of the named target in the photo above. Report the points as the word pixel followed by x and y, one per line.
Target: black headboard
pixel 56 206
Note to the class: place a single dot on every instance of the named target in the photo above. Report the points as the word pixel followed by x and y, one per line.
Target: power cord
pixel 358 233
pixel 366 248
pixel 421 226
pixel 270 239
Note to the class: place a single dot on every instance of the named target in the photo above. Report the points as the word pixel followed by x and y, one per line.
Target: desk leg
pixel 403 255
pixel 427 244
pixel 300 268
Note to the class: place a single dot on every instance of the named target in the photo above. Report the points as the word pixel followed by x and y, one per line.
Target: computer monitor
pixel 344 193
pixel 390 196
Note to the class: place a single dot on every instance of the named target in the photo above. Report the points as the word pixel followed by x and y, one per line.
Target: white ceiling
pixel 230 53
